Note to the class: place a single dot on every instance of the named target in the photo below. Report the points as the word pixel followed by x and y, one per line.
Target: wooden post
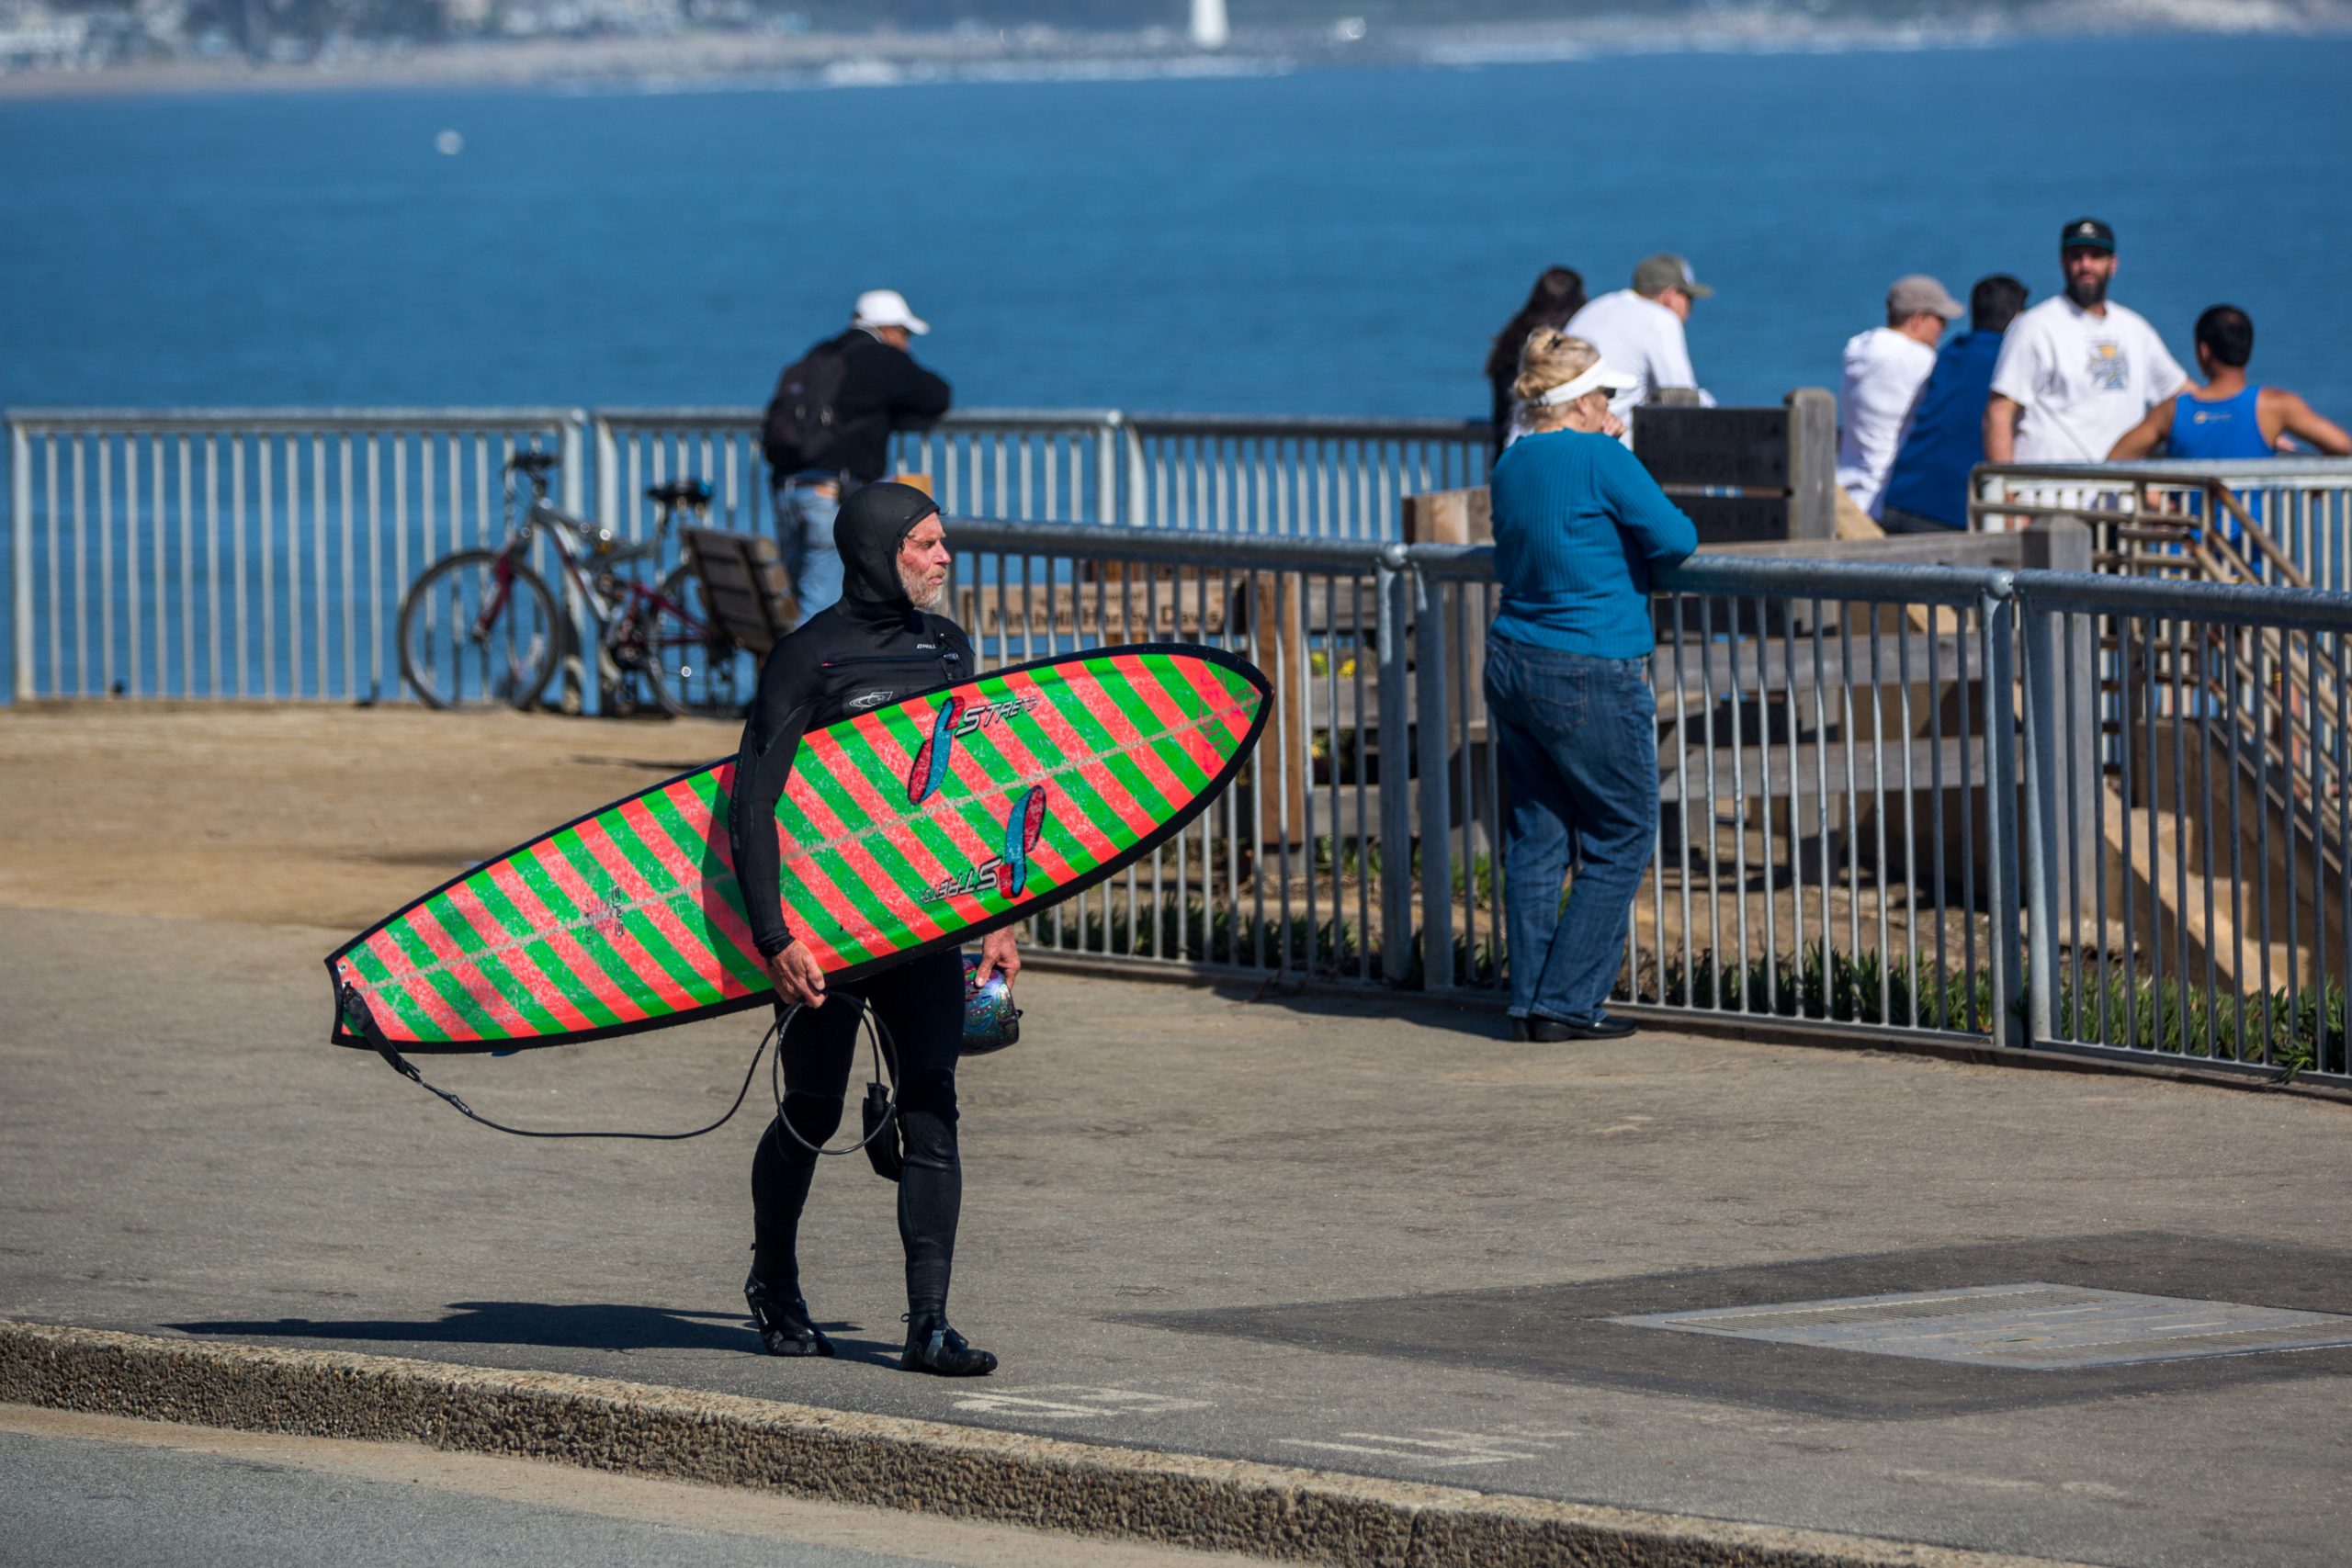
pixel 1281 771
pixel 1813 463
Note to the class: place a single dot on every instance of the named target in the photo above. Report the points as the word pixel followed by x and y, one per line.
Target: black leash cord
pixel 408 1069
pixel 356 1013
pixel 877 1039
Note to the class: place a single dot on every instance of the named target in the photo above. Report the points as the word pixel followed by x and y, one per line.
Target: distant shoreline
pixel 752 62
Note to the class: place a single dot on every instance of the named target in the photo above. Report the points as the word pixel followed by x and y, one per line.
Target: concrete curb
pixel 958 1471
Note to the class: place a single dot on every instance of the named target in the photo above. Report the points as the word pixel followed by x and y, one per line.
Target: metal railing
pixel 1284 874
pixel 253 553
pixel 2047 810
pixel 2299 509
pixel 2211 522
pixel 1882 804
pixel 262 553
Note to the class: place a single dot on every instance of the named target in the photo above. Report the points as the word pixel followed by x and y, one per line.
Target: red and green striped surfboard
pixel 911 828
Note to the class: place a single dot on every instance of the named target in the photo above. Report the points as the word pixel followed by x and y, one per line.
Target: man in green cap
pixel 1639 331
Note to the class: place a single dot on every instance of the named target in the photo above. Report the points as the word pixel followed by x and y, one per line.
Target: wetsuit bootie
pixel 932 1347
pixel 783 1322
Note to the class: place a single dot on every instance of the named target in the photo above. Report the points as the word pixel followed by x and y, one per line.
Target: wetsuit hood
pixel 873 523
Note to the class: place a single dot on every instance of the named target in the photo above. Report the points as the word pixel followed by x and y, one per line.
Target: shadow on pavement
pixel 601 1326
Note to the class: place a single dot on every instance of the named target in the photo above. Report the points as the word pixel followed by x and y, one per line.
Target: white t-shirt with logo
pixel 2081 380
pixel 1884 370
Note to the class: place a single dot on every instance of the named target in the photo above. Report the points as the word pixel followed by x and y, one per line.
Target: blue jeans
pixel 806 505
pixel 1576 738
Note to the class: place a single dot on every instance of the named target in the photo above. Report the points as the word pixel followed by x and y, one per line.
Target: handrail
pixel 172 421
pixel 737 416
pixel 1180 546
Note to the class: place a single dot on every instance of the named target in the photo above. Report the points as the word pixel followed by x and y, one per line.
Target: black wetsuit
pixel 870 648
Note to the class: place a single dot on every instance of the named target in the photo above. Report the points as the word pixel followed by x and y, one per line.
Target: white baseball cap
pixel 887 307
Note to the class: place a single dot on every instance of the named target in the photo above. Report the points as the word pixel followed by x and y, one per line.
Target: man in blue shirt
pixel 1927 488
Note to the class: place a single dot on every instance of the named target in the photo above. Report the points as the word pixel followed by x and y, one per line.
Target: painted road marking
pixel 1442 1449
pixel 1076 1401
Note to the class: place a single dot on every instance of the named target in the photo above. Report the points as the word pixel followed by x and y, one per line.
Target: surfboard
pixel 911 828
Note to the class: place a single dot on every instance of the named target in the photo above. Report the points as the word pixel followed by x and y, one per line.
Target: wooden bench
pixel 743 584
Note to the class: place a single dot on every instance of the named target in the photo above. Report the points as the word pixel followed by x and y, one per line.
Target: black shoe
pixel 932 1347
pixel 1551 1030
pixel 783 1322
pixel 1518 1035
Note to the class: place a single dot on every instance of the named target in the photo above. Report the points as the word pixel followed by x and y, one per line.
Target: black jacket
pixel 871 649
pixel 883 390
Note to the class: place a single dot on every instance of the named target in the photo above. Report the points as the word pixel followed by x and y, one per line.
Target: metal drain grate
pixel 2042 1327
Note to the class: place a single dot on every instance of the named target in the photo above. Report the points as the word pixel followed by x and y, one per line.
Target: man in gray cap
pixel 1639 331
pixel 1885 367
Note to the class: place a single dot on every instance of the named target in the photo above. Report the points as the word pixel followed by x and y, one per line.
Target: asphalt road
pixel 96 1492
pixel 1364 1235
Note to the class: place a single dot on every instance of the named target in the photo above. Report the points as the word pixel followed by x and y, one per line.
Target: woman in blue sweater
pixel 1579 525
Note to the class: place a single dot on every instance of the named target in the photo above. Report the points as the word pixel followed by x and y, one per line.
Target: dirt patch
pixel 309 816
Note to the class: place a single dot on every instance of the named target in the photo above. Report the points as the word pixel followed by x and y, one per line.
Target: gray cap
pixel 1666 270
pixel 1918 292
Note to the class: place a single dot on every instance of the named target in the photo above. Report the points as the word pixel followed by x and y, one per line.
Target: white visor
pixel 1600 376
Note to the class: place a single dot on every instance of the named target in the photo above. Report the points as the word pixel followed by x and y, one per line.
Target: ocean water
pixel 1340 242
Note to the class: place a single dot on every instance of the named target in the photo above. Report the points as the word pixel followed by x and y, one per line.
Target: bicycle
pixel 480 627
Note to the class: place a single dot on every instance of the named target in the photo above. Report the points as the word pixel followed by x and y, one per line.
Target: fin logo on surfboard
pixel 958 717
pixel 1022 832
pixel 1008 873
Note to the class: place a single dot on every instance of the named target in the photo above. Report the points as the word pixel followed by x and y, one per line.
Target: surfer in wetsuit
pixel 879 644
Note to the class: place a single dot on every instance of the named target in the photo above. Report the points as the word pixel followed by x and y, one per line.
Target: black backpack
pixel 799 430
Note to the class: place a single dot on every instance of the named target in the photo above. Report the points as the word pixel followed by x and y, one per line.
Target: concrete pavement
pixel 1364 1240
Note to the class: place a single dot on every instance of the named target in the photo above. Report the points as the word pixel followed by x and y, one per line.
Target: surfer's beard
pixel 2086 292
pixel 923 597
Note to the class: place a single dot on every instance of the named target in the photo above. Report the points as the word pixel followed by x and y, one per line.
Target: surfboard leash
pixel 356 1013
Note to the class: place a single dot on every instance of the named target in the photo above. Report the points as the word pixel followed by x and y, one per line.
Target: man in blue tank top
pixel 2228 416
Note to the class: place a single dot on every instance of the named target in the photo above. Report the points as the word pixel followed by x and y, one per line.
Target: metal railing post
pixel 1106 468
pixel 608 473
pixel 1431 731
pixel 1392 584
pixel 2042 747
pixel 1137 510
pixel 20 553
pixel 583 646
pixel 1997 620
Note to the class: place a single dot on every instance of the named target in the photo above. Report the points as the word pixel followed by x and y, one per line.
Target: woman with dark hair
pixel 1557 295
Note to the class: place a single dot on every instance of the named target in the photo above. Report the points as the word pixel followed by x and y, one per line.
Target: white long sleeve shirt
pixel 1641 337
pixel 1884 370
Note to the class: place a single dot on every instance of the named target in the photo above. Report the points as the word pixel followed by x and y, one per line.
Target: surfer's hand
pixel 797 977
pixel 1000 954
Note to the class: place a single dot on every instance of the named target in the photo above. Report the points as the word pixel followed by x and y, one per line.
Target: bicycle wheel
pixel 696 670
pixel 469 640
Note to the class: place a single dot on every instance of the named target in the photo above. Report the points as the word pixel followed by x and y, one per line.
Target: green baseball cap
pixel 2086 234
pixel 1666 270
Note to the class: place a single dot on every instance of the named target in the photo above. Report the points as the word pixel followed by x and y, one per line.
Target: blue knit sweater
pixel 1578 526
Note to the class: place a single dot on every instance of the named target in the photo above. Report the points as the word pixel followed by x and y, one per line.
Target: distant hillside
pixel 57 40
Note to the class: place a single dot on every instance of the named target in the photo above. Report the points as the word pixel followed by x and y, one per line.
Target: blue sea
pixel 1338 242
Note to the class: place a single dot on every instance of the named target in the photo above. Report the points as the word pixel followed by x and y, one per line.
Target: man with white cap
pixel 1639 331
pixel 829 426
pixel 1886 368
